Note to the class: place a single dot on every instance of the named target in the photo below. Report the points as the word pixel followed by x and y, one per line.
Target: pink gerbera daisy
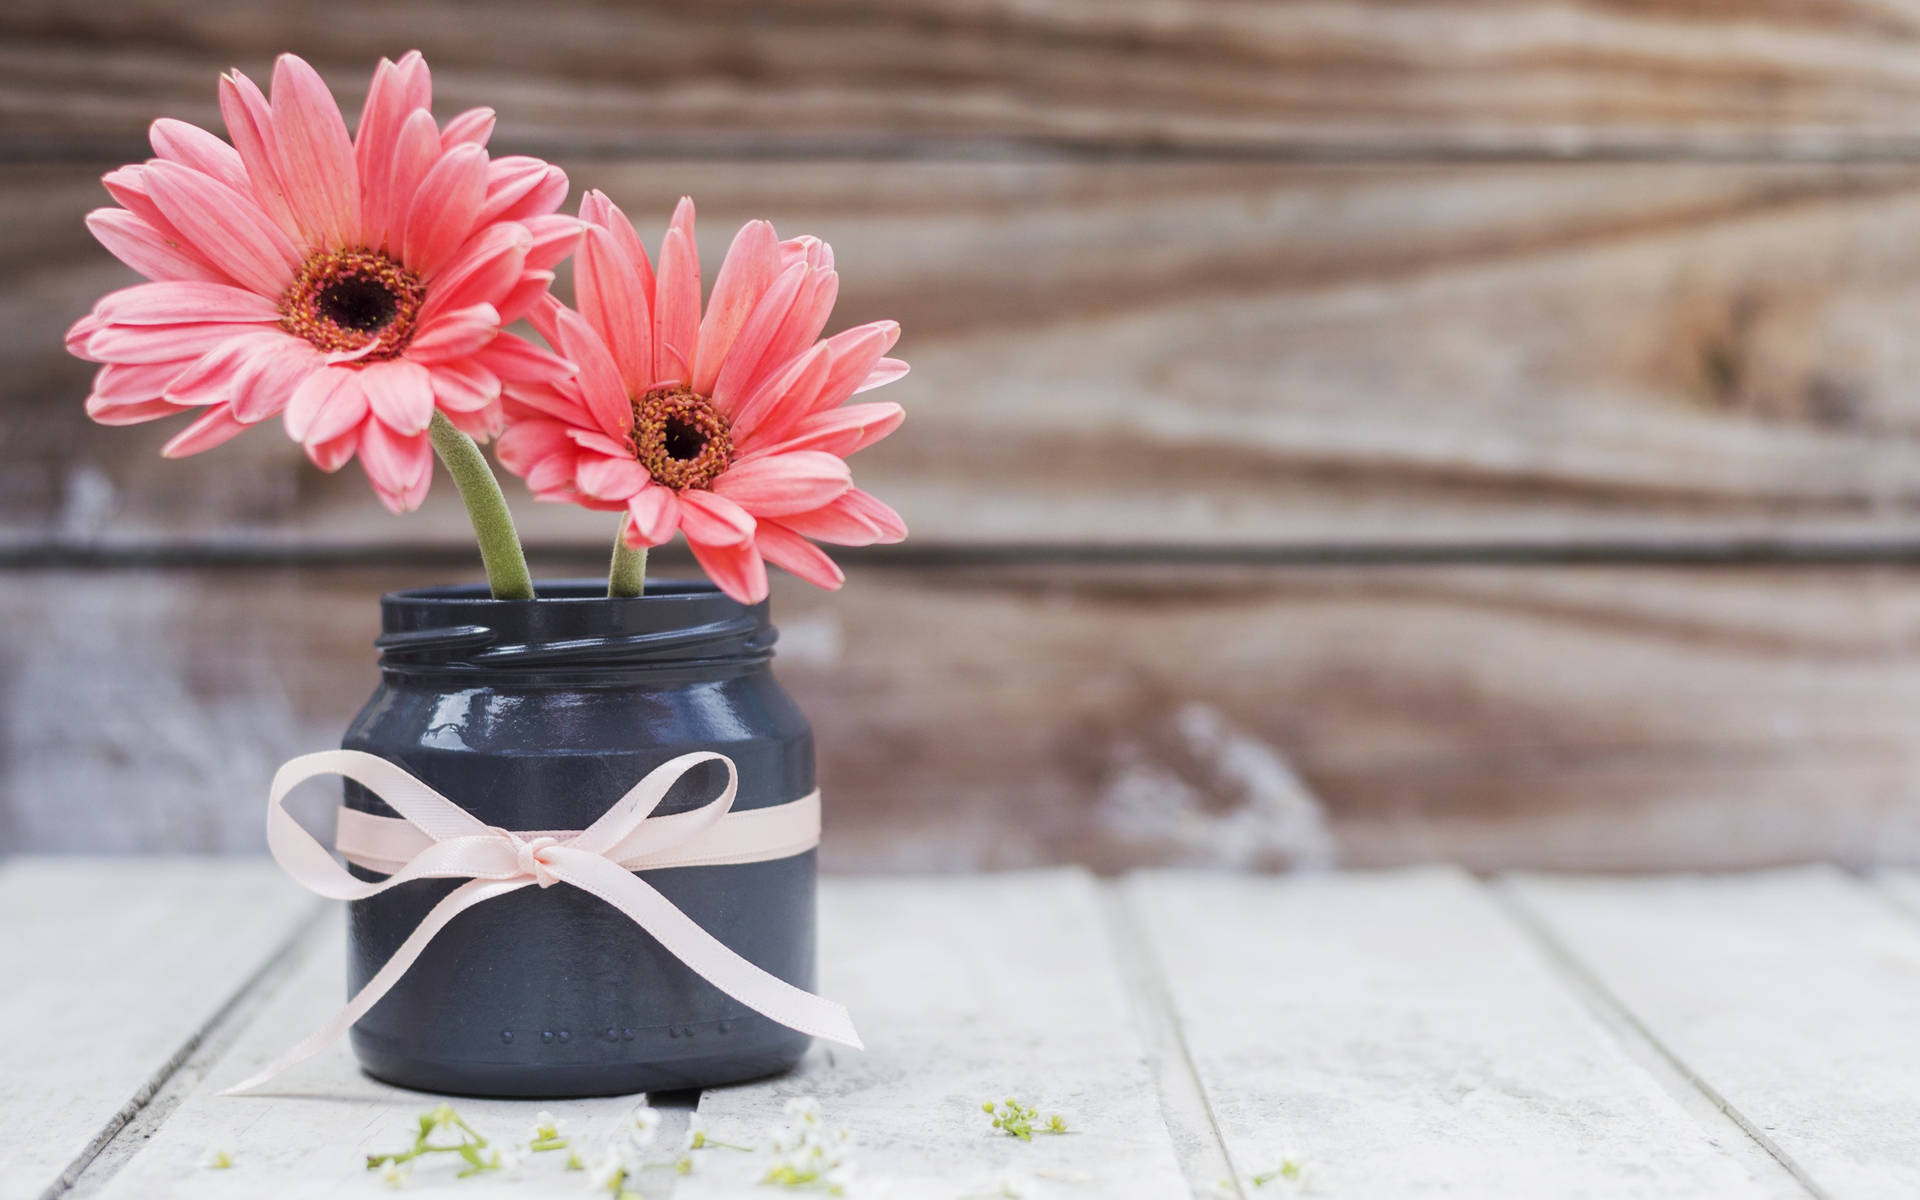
pixel 357 286
pixel 728 426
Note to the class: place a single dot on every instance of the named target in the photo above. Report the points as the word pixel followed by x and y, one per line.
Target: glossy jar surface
pixel 538 715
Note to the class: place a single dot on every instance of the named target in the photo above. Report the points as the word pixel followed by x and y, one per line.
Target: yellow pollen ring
pixel 345 299
pixel 680 438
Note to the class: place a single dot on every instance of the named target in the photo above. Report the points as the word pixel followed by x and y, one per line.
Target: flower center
pixel 679 438
pixel 353 300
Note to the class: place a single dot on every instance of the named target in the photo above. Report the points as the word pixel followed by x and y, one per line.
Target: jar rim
pixel 572 632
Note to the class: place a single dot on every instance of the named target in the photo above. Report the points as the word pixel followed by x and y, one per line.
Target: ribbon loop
pixel 434 838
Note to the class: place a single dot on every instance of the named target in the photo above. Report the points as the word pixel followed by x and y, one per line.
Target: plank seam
pixel 1635 1035
pixel 156 1099
pixel 34 553
pixel 1176 1078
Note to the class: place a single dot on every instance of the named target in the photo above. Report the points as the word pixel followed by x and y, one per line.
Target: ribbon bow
pixel 437 839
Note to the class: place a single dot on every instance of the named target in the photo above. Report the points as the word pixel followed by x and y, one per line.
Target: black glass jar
pixel 538 715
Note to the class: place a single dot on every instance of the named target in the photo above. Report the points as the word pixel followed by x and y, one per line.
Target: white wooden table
pixel 1411 1033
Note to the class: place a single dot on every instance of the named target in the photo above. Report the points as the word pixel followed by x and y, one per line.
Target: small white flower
pixel 696 1132
pixel 546 1126
pixel 396 1174
pixel 803 1109
pixel 607 1172
pixel 507 1160
pixel 646 1125
pixel 217 1159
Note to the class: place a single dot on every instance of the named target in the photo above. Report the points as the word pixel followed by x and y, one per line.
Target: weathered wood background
pixel 1340 432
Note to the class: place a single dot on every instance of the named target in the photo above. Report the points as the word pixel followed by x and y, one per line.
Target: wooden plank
pixel 1395 1035
pixel 1213 354
pixel 1566 717
pixel 966 990
pixel 1790 995
pixel 1352 77
pixel 309 1133
pixel 116 968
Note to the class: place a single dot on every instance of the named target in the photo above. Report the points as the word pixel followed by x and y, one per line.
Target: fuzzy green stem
pixel 627 574
pixel 500 551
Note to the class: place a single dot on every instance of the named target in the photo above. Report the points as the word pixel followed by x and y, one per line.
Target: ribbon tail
pixel 459 900
pixel 706 955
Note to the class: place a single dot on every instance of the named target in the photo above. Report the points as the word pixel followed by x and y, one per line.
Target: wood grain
pixel 1394 1035
pixel 117 967
pixel 1567 717
pixel 1220 354
pixel 1360 76
pixel 966 990
pixel 1823 1068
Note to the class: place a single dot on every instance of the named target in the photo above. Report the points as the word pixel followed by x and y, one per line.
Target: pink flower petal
pixel 739 571
pixel 782 399
pixel 676 300
pixel 751 265
pixel 215 376
pixel 331 456
pixel 192 146
pixel 855 519
pixel 444 208
pixel 480 424
pixel 185 302
pixel 785 548
pixel 415 151
pixel 486 269
pixel 314 155
pixel 609 296
pixel 655 513
pixel 554 238
pixel 742 368
pixel 398 464
pixel 209 431
pixel 137 381
pixel 804 320
pixel 610 478
pixel 527 443
pixel 841 431
pixel 473 127
pixel 714 519
pixel 326 406
pixel 250 126
pixel 552 478
pixel 400 393
pixel 464 387
pixel 781 484
pixel 600 383
pixel 855 352
pixel 159 343
pixel 596 209
pixel 600 443
pixel 140 246
pixel 519 187
pixel 273 370
pixel 517 360
pixel 884 372
pixel 528 401
pixel 455 334
pixel 107 411
pixel 398 89
pixel 531 288
pixel 224 227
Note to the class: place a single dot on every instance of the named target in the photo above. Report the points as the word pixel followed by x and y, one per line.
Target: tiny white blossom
pixel 608 1171
pixel 646 1125
pixel 696 1132
pixel 396 1174
pixel 507 1160
pixel 803 1108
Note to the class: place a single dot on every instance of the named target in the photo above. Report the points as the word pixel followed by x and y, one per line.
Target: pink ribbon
pixel 437 839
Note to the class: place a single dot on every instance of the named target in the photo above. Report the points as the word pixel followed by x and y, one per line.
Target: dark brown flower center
pixel 680 438
pixel 352 299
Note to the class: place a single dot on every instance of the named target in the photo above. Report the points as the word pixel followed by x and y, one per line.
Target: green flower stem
pixel 500 550
pixel 627 575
